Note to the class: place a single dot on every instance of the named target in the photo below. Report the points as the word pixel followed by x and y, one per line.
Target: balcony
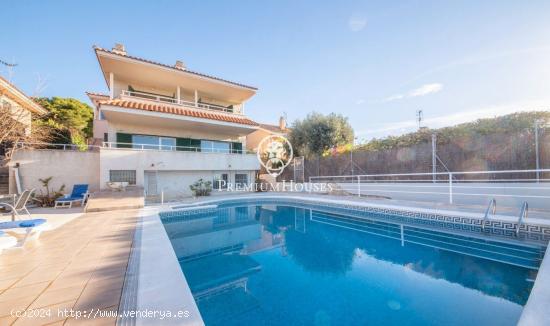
pixel 129 95
pixel 174 148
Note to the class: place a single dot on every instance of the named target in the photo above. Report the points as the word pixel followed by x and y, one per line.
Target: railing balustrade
pixel 172 100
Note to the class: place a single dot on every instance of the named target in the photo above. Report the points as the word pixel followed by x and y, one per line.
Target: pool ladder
pixel 522 215
pixel 490 209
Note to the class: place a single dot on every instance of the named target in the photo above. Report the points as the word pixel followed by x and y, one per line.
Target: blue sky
pixel 376 62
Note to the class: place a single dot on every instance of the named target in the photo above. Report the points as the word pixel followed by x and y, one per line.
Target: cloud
pixel 420 91
pixel 357 23
pixel 360 101
pixel 401 127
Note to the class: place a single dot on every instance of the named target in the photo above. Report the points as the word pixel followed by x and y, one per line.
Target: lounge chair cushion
pixel 68 199
pixel 22 224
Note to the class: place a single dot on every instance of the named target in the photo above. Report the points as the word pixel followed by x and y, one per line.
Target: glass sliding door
pixel 145 142
pixel 211 146
pixel 167 143
pixel 153 142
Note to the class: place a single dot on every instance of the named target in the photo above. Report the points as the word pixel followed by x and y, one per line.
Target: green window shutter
pixel 236 148
pixel 183 144
pixel 196 143
pixel 123 138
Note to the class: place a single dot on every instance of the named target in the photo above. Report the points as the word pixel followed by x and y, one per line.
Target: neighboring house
pixel 164 127
pixel 20 105
pixel 264 130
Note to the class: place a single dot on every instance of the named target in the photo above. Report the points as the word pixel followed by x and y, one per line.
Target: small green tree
pixel 69 119
pixel 317 133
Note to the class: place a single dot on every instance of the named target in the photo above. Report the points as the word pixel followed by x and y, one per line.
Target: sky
pixel 375 62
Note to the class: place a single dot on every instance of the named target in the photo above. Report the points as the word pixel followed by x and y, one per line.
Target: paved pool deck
pixel 80 265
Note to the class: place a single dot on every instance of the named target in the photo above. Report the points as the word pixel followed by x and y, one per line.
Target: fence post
pixel 450 187
pixel 359 185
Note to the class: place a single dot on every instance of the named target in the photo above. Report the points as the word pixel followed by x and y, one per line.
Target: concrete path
pixel 79 266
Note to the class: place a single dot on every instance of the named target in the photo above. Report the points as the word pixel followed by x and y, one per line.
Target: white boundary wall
pixel 65 167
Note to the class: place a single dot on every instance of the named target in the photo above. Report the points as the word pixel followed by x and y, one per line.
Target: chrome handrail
pixel 491 208
pixel 522 215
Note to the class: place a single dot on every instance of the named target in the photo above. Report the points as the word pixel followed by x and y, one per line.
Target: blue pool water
pixel 284 265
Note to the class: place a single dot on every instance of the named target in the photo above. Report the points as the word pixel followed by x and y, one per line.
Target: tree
pixel 13 130
pixel 317 133
pixel 70 119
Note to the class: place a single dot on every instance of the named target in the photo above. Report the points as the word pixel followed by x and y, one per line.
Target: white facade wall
pixel 176 170
pixel 65 167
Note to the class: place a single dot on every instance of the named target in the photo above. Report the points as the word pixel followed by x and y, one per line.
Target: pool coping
pixel 535 311
pixel 156 282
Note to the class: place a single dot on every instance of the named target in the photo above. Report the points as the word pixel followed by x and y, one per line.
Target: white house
pixel 164 127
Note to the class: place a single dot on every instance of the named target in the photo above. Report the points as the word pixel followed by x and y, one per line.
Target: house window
pixel 123 176
pixel 211 146
pixel 220 181
pixel 167 143
pixel 153 142
pixel 241 179
pixel 105 137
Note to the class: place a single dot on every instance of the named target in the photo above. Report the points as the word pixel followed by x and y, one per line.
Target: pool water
pixel 283 265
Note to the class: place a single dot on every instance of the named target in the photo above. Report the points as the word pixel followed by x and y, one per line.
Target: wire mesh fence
pixel 500 151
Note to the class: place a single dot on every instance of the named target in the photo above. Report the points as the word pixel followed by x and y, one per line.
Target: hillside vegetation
pixel 511 123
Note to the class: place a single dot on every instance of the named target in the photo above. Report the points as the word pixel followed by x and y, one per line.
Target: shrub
pixel 201 188
pixel 47 198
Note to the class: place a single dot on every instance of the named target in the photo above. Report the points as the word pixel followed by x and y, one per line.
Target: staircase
pixel 4 178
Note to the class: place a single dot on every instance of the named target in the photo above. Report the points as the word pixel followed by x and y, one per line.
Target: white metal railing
pixel 503 183
pixel 159 147
pixel 171 100
pixel 56 146
pixel 116 145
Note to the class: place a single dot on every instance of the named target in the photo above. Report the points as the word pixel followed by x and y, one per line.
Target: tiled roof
pixel 96 48
pixel 97 94
pixel 15 94
pixel 171 109
pixel 272 128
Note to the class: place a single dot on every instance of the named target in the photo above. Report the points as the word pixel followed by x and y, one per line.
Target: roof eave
pixel 157 64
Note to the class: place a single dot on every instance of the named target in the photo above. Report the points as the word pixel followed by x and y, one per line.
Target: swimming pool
pixel 284 264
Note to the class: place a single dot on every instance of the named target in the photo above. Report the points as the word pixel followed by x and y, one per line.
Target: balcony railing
pixel 171 100
pixel 144 147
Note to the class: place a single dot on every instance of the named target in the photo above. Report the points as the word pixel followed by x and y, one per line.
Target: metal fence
pixel 511 187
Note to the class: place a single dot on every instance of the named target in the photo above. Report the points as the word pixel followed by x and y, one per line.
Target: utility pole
pixel 351 155
pixel 537 161
pixel 434 157
pixel 419 117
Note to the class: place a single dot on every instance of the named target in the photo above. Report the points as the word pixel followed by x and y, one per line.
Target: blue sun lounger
pixel 79 194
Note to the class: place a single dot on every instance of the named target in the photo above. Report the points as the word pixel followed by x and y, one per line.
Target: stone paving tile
pixel 82 264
